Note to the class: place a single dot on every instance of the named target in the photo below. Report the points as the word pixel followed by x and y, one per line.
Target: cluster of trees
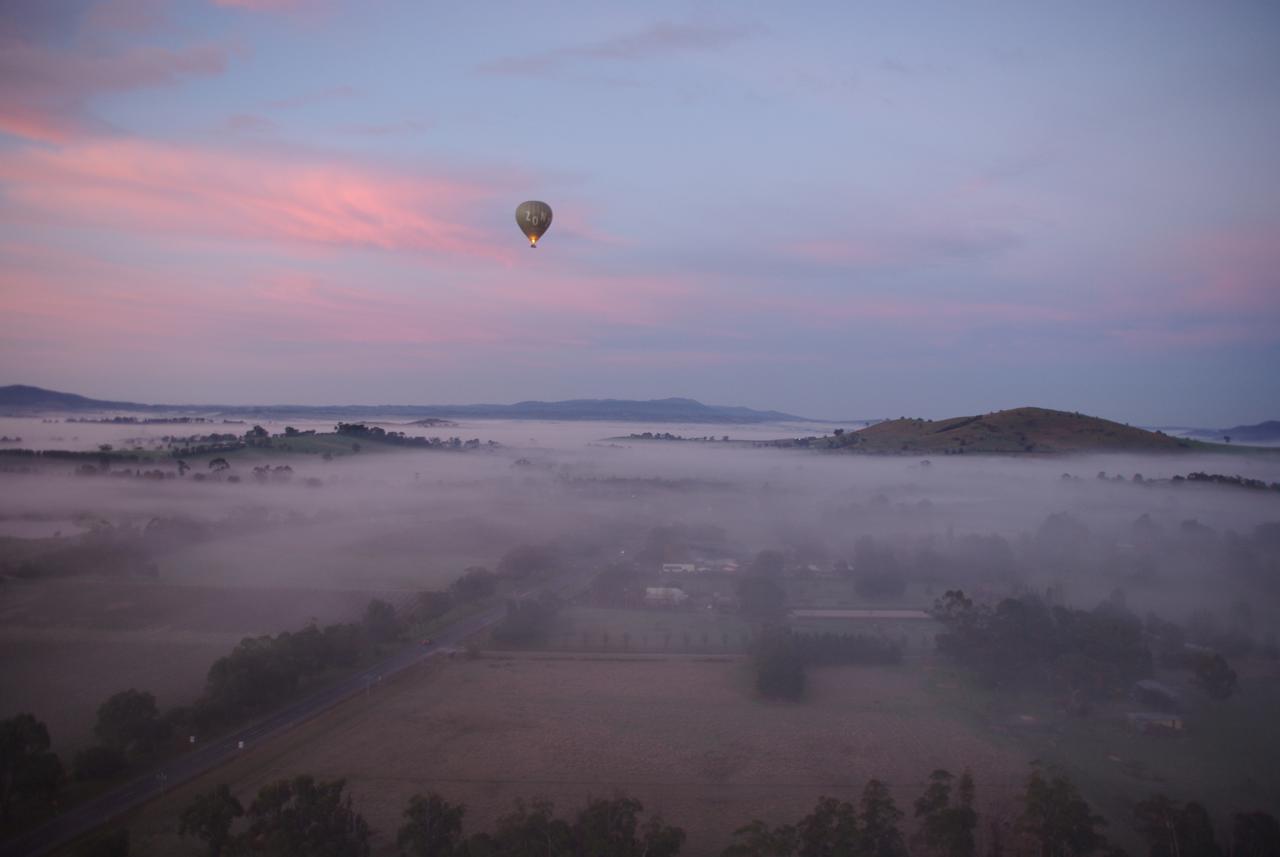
pixel 304 817
pixel 1197 651
pixel 528 621
pixel 779 657
pixel 265 670
pixel 29 771
pixel 666 435
pixel 129 728
pixel 1221 479
pixel 1098 652
pixel 105 549
pixel 399 438
pixel 296 817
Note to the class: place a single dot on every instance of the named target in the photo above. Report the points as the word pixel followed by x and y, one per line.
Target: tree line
pixel 1095 653
pixel 301 816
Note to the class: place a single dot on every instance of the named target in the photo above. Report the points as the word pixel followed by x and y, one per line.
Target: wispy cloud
pixel 45 91
pixel 146 187
pixel 660 40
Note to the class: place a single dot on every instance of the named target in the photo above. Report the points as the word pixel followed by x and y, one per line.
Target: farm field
pixel 683 734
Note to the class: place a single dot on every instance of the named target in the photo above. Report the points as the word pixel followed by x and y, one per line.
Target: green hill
pixel 1019 430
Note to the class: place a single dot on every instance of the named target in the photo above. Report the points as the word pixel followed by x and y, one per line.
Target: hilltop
pixel 22 399
pixel 1019 430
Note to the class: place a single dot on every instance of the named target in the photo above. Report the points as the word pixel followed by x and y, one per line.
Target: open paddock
pixel 683 735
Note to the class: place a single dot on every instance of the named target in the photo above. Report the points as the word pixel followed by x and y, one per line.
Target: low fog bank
pixel 407 519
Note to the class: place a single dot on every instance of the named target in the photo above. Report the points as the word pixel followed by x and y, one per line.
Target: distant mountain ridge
pixel 1263 432
pixel 24 399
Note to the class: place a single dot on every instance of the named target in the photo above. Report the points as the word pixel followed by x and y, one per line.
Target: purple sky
pixel 859 210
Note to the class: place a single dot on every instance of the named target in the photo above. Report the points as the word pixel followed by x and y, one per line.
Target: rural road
pixel 91 814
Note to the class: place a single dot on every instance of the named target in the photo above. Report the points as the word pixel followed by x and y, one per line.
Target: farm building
pixel 1154 722
pixel 1157 695
pixel 678 568
pixel 664 596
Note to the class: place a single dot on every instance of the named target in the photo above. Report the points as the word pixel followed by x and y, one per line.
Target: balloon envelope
pixel 534 219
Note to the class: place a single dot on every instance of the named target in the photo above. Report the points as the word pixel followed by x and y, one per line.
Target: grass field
pixel 683 734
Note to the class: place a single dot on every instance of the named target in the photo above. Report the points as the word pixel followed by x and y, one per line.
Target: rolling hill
pixel 22 399
pixel 1019 430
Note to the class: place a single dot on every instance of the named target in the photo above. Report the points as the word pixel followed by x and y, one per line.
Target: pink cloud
pixel 138 186
pixel 44 92
pixel 1234 271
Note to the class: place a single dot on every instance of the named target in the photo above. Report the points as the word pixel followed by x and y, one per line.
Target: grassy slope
pixel 1017 430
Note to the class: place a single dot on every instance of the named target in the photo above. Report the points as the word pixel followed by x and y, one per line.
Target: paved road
pixel 91 814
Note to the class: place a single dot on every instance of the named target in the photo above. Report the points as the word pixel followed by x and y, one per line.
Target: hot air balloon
pixel 534 219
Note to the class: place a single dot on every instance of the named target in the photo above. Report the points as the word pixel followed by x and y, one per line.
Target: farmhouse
pixel 1157 695
pixel 1154 722
pixel 664 596
pixel 678 568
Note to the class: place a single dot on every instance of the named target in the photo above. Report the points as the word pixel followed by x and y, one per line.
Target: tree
pixel 219 464
pixel 1255 834
pixel 757 839
pixel 303 818
pixel 27 767
pixel 778 665
pixel 879 817
pixel 528 831
pixel 1175 831
pixel 128 721
pixel 1196 837
pixel 610 826
pixel 432 828
pixel 210 816
pixel 1216 676
pixel 831 829
pixel 948 827
pixel 380 621
pixel 1058 819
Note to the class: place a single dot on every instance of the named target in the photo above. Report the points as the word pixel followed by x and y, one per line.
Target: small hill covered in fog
pixel 1016 430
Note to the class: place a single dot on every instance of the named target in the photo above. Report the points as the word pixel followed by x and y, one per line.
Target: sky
pixel 838 210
